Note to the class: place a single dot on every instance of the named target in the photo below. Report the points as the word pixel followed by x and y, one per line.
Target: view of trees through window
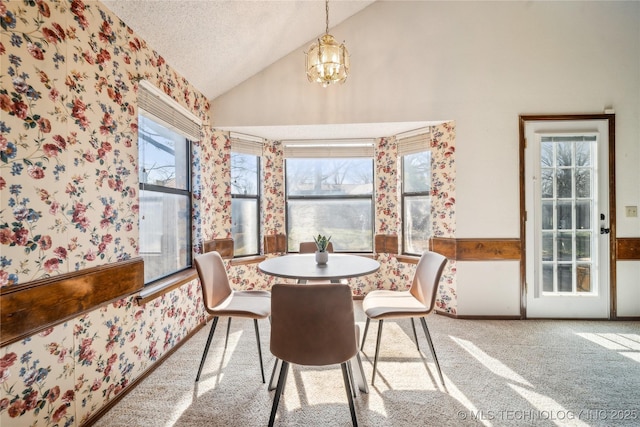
pixel 245 203
pixel 165 200
pixel 416 201
pixel 566 189
pixel 333 197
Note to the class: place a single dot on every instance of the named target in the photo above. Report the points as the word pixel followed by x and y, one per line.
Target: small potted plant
pixel 322 243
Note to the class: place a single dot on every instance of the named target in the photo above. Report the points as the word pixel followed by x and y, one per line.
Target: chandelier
pixel 327 61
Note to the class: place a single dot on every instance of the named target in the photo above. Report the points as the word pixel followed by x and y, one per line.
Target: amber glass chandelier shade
pixel 327 61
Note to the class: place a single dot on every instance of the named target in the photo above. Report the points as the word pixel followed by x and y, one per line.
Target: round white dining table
pixel 303 267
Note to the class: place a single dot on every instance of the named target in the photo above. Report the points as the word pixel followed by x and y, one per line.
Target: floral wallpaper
pixel 393 274
pixel 69 192
pixel 65 374
pixel 443 199
pixel 68 136
pixel 273 192
pixel 69 74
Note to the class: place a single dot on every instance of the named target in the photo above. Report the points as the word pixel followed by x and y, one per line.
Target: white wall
pixel 628 273
pixel 487 288
pixel 480 64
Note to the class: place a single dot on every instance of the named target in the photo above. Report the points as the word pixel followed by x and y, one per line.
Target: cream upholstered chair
pixel 313 326
pixel 220 300
pixel 418 301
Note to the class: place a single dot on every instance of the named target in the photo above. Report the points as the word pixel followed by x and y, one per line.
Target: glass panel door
pixel 566 198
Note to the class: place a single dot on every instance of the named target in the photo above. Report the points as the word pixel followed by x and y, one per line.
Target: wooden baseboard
pixel 479 317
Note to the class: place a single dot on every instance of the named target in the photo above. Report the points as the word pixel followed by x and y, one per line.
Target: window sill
pixel 165 285
pixel 248 260
pixel 408 259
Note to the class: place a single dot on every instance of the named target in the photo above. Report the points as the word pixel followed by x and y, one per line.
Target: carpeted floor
pixel 497 373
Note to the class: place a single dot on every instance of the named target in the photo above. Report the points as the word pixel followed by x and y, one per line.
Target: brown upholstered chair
pixel 313 326
pixel 310 247
pixel 418 301
pixel 220 300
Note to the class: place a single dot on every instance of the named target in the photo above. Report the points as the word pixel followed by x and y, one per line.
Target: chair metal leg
pixel 226 339
pixel 375 359
pixel 358 373
pixel 352 380
pixel 206 347
pixel 255 323
pixel 433 350
pixel 277 365
pixel 364 335
pixel 276 398
pixel 413 326
pixel 347 386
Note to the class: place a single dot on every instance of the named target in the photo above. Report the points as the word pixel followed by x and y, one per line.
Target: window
pixel 416 189
pixel 164 158
pixel 245 202
pixel 330 196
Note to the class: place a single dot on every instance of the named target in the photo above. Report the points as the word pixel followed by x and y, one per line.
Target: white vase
pixel 322 257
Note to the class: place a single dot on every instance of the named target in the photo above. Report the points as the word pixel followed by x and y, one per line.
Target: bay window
pixel 416 193
pixel 245 196
pixel 164 159
pixel 329 191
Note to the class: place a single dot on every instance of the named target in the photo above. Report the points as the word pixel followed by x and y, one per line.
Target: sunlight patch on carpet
pixel 627 345
pixel 394 341
pixel 622 340
pixel 547 409
pixel 602 341
pixel 405 375
pixel 464 400
pixel 632 356
pixel 178 407
pixel 491 363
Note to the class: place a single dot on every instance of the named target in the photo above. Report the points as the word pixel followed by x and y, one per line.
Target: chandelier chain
pixel 326 9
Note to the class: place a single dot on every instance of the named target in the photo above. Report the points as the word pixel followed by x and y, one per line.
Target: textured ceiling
pixel 217 44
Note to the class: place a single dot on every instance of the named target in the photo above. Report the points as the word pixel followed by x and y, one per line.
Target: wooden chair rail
pixel 41 304
pixel 628 248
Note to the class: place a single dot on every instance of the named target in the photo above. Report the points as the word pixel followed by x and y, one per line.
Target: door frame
pixel 611 121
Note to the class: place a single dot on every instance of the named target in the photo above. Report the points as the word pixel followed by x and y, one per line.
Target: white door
pixel 566 201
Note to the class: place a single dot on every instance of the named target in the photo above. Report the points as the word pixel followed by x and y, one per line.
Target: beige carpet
pixel 497 373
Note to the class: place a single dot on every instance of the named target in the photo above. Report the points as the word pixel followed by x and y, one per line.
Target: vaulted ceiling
pixel 217 44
